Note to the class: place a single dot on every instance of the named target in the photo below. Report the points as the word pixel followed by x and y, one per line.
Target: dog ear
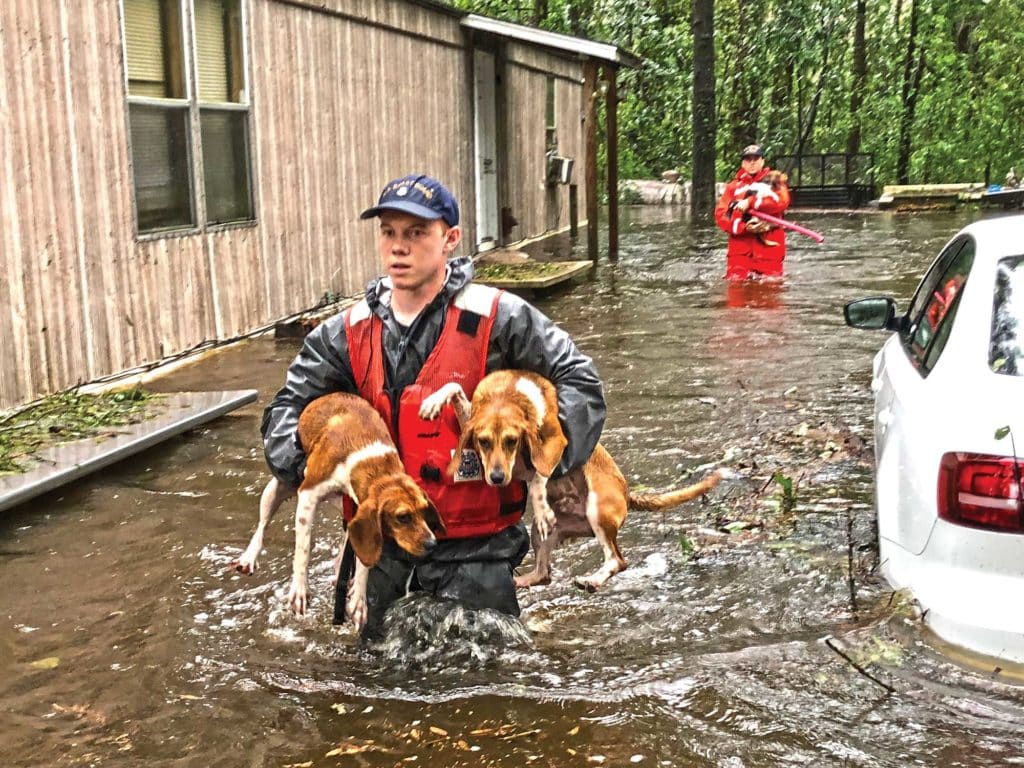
pixel 365 534
pixel 433 518
pixel 546 446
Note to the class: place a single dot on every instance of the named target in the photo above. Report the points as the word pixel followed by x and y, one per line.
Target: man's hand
pixel 758 226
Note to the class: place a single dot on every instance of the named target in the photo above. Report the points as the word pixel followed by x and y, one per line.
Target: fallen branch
pixel 858 667
pixel 849 560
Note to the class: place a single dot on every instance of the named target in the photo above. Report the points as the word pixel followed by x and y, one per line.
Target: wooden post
pixel 590 96
pixel 574 211
pixel 611 118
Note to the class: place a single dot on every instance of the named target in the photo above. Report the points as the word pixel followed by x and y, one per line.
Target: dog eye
pixel 404 518
pixel 510 443
pixel 485 443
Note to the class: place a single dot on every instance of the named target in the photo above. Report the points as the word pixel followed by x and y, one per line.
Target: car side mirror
pixel 874 314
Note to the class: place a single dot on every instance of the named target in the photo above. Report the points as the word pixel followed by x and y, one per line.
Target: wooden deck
pixel 529 275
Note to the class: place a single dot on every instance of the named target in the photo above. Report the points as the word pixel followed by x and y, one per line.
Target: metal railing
pixel 829 179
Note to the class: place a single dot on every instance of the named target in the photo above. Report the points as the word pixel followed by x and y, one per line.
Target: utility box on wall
pixel 559 169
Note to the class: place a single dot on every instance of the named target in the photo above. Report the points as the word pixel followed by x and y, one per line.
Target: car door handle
pixel 884 417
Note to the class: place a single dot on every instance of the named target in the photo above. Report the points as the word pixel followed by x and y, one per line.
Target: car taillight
pixel 981 491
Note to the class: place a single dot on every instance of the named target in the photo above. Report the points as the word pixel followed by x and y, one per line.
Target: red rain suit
pixel 749 254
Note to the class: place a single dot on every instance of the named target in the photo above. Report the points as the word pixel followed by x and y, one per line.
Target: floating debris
pixel 522 271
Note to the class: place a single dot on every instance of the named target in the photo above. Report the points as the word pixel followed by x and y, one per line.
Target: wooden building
pixel 176 171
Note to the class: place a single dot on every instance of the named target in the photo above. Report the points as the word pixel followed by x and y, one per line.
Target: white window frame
pixel 194 144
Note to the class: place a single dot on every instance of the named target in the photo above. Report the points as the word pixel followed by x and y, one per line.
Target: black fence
pixel 836 180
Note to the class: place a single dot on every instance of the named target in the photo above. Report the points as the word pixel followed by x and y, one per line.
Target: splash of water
pixel 422 631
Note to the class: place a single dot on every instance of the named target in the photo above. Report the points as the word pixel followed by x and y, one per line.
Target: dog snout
pixel 429 544
pixel 497 477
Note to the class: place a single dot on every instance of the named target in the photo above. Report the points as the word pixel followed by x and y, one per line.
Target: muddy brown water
pixel 125 639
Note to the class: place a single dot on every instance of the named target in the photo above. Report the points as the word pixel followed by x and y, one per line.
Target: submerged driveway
pixel 127 640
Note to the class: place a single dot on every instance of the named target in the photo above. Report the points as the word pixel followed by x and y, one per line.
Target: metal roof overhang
pixel 577 46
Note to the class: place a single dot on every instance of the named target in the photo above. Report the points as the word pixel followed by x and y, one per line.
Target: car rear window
pixel 1006 349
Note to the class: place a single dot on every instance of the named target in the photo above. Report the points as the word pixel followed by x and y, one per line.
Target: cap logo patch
pixel 418 196
pixel 402 188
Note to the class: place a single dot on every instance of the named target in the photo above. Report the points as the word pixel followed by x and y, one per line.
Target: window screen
pixel 226 166
pixel 160 166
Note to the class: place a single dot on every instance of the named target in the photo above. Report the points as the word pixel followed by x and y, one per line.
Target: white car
pixel 949 439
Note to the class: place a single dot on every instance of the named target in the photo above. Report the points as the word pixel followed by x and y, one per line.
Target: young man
pixel 421 325
pixel 756 249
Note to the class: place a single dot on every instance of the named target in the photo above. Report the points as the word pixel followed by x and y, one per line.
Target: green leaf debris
pixel 65 417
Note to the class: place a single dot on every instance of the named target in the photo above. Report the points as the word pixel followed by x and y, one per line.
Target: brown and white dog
pixel 767 187
pixel 512 424
pixel 348 452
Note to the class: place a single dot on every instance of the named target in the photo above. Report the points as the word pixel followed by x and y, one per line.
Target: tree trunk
pixel 702 198
pixel 540 12
pixel 913 69
pixel 812 111
pixel 860 77
pixel 576 26
pixel 743 120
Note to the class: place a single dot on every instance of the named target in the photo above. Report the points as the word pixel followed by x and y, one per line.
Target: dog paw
pixel 245 564
pixel 297 598
pixel 357 612
pixel 587 585
pixel 431 407
pixel 530 580
pixel 545 520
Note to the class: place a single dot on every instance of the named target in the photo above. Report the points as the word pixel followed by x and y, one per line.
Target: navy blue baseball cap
pixel 419 195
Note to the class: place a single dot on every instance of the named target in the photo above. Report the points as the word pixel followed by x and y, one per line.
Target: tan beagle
pixel 512 424
pixel 349 452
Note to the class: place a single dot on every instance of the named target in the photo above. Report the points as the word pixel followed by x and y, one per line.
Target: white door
pixel 485 124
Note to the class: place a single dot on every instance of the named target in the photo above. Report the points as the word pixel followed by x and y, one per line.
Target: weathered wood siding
pixel 71 287
pixel 340 105
pixel 538 206
pixel 346 94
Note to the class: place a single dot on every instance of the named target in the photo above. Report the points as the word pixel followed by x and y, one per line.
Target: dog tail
pixel 648 502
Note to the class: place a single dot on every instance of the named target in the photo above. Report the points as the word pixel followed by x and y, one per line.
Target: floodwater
pixel 126 639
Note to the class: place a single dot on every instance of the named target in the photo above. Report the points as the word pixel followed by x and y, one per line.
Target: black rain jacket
pixel 521 337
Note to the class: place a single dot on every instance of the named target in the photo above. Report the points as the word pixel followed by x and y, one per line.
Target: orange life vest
pixel 468 507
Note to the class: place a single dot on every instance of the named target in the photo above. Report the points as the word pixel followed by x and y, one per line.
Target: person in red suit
pixel 756 248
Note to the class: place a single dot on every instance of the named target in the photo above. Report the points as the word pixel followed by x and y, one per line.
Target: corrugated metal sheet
pixel 340 104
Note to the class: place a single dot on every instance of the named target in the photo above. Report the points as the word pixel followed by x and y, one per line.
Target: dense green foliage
pixel 785 76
